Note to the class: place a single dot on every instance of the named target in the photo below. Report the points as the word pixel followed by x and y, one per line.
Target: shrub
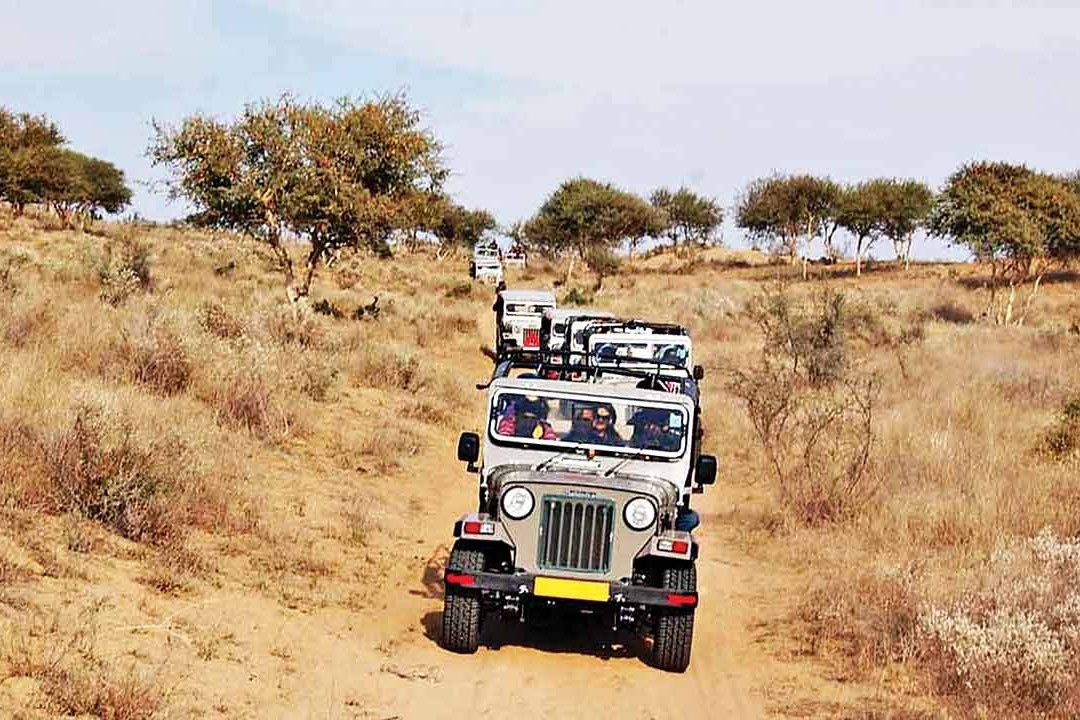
pixel 459 291
pixel 1062 440
pixel 813 420
pixel 96 468
pixel 158 360
pixel 217 320
pixel 293 325
pixel 574 296
pixel 1013 646
pixel 124 269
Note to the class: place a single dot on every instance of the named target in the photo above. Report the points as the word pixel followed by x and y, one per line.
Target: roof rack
pixel 540 362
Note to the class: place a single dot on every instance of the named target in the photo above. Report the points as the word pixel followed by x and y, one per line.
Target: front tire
pixel 462 608
pixel 673 632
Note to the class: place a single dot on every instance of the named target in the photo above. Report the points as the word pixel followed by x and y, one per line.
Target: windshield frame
pixel 653 454
pixel 630 361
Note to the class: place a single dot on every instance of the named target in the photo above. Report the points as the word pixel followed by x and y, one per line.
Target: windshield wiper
pixel 611 471
pixel 544 463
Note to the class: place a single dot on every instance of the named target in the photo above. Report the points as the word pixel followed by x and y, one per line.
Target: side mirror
pixel 705 472
pixel 699 372
pixel 468 447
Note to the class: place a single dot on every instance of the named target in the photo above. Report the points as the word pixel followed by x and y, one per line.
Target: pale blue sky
pixel 525 94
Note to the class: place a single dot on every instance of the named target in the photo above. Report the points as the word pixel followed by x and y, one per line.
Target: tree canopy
pixel 861 211
pixel 585 219
pixel 1020 221
pixel 691 218
pixel 456 225
pixel 349 174
pixel 783 211
pixel 36 168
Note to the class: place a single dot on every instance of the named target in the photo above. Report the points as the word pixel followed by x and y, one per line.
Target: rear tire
pixel 462 608
pixel 673 633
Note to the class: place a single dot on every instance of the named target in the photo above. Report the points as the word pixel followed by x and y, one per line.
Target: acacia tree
pixel 784 211
pixel 906 208
pixel 585 219
pixel 457 226
pixel 345 175
pixel 78 187
pixel 861 212
pixel 692 219
pixel 25 142
pixel 1020 221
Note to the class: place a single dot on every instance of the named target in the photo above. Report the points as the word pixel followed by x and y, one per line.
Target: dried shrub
pixel 124 269
pixel 97 468
pixel 813 418
pixel 158 359
pixel 24 321
pixel 869 617
pixel 293 325
pixel 1012 647
pixel 459 291
pixel 1062 440
pixel 948 311
pixel 315 376
pixel 386 366
pixel 217 320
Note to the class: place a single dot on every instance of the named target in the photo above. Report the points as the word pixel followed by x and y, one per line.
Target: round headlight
pixel 517 503
pixel 639 513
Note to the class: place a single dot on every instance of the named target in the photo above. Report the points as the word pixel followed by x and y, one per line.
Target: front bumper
pixel 529 585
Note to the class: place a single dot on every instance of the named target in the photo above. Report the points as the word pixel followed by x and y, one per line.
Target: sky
pixel 525 94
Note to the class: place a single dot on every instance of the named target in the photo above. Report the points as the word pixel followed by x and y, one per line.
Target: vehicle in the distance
pixel 580 487
pixel 556 329
pixel 517 321
pixel 665 349
pixel 486 263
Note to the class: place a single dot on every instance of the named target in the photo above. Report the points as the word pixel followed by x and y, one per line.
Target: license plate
pixel 572 589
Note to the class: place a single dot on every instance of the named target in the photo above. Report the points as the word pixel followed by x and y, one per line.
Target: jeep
pixel 517 325
pixel 579 489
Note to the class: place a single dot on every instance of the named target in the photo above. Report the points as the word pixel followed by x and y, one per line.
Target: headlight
pixel 639 513
pixel 517 503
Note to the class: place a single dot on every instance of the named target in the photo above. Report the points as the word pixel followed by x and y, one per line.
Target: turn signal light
pixel 680 547
pixel 473 527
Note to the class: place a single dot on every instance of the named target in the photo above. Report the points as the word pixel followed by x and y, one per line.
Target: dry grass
pixel 143 416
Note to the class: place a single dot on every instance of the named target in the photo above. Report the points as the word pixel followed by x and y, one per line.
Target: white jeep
pixel 517 323
pixel 581 486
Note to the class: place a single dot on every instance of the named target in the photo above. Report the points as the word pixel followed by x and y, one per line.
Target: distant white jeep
pixel 517 322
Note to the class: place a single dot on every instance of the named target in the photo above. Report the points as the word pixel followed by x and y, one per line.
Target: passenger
pixel 525 418
pixel 581 425
pixel 651 431
pixel 595 425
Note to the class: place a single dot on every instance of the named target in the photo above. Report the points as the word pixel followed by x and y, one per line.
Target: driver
pixel 651 431
pixel 527 417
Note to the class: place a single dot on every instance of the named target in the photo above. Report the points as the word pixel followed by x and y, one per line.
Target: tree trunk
pixel 805 269
pixel 1030 299
pixel 570 270
pixel 1009 305
pixel 858 257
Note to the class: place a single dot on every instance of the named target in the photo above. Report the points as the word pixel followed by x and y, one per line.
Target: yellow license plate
pixel 572 589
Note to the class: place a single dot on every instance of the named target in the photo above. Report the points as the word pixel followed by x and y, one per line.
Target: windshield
pixel 649 350
pixel 564 419
pixel 525 308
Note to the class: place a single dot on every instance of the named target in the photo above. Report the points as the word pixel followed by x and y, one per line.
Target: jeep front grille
pixel 575 534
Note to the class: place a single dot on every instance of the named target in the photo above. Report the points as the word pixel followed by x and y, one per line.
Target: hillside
pixel 213 506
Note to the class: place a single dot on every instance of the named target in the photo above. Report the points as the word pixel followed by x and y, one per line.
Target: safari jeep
pixel 580 487
pixel 517 327
pixel 485 264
